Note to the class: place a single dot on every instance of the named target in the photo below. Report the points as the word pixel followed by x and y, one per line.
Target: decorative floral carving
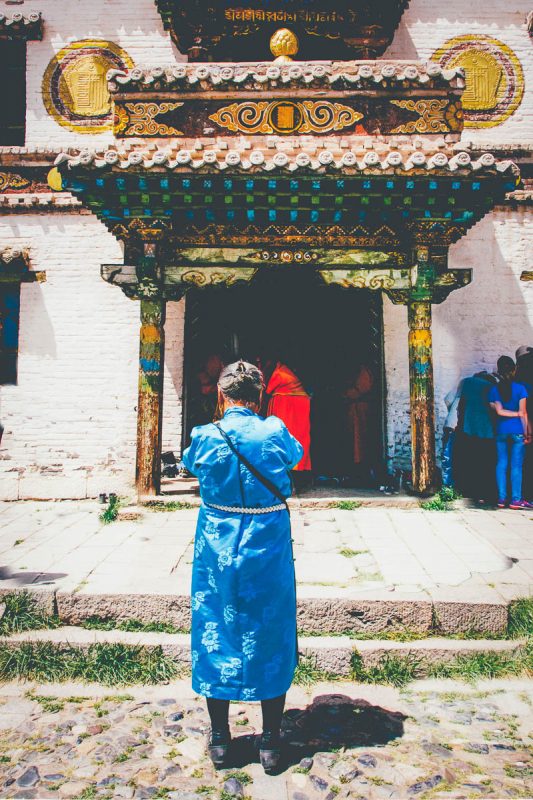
pixel 286 116
pixel 432 118
pixel 213 276
pixel 10 180
pixel 138 119
pixel 368 278
pixel 288 256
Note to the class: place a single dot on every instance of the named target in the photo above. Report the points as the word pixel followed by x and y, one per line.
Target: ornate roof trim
pixel 304 74
pixel 260 161
pixel 22 27
pixel 57 201
pixel 10 256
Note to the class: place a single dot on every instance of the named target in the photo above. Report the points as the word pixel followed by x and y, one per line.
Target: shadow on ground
pixel 12 580
pixel 332 721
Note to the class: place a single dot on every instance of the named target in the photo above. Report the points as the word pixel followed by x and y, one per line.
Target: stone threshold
pixel 331 654
pixel 446 613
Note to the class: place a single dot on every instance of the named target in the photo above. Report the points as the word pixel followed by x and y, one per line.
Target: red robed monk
pixel 290 402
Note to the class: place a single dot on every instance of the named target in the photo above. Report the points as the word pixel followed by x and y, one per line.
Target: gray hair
pixel 241 382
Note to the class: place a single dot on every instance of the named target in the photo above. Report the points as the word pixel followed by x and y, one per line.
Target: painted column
pixel 150 404
pixel 422 395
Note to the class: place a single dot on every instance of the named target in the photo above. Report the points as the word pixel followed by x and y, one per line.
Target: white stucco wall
pixel 426 25
pixel 70 423
pixel 135 26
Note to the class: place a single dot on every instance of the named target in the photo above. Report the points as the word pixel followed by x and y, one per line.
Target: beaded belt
pixel 237 510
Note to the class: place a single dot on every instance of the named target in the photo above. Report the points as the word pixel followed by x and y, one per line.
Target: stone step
pixel 332 654
pixel 319 499
pixel 325 615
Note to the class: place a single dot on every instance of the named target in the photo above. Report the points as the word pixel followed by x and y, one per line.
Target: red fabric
pixel 290 402
pixel 360 417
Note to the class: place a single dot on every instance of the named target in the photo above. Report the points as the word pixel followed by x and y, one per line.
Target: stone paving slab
pixel 466 555
pixel 434 739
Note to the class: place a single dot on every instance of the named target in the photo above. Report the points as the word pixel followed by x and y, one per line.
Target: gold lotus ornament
pixel 284 45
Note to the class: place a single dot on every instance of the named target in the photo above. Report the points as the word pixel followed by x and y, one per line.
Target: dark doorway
pixel 329 336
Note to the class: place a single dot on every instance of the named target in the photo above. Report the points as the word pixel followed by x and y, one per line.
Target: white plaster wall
pixel 473 327
pixel 173 378
pixel 426 25
pixel 70 423
pixel 134 26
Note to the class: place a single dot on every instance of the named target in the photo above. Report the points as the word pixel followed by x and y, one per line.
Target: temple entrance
pixel 330 337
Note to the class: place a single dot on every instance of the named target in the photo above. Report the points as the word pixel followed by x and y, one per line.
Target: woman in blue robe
pixel 243 600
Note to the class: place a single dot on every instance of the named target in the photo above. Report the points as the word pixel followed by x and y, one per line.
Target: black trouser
pixel 272 714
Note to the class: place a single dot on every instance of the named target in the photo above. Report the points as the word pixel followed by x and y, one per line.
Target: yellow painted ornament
pixel 54 179
pixel 283 45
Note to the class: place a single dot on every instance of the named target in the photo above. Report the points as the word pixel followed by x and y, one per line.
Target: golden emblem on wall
pixel 74 85
pixel 493 75
pixel 286 116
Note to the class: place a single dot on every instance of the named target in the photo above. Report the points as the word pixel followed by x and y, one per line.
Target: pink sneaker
pixel 520 505
pixel 501 503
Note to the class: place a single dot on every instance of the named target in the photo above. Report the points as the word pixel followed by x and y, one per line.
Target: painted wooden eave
pixel 19 26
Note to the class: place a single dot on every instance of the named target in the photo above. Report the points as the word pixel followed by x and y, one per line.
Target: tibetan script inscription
pixel 301 15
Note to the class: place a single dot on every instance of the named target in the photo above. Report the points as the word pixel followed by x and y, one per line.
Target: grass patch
pixel 307 673
pixel 346 505
pixel 449 494
pixel 240 775
pixel 109 664
pixel 48 703
pixel 442 500
pixel 398 671
pixel 402 635
pixel 392 670
pixel 110 512
pixel 476 666
pixel 520 619
pixel 135 625
pixel 23 613
pixel 172 505
pixel 347 552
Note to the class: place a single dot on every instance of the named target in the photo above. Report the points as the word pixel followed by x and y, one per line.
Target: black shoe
pixel 218 749
pixel 270 753
pixel 270 760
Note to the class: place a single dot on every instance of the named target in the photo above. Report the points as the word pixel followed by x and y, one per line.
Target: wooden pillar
pixel 150 405
pixel 422 395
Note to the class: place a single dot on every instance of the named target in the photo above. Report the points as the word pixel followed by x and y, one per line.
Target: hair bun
pixel 241 381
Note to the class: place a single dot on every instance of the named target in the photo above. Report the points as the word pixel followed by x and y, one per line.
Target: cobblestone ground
pixel 434 739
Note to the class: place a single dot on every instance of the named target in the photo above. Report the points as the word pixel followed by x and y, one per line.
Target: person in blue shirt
pixel 509 400
pixel 243 634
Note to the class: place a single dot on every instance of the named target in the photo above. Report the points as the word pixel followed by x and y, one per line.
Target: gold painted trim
pixel 307 116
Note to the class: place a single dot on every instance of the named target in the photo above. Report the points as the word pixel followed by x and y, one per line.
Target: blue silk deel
pixel 243 590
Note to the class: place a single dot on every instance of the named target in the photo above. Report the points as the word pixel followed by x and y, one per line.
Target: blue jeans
pixel 515 443
pixel 446 458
